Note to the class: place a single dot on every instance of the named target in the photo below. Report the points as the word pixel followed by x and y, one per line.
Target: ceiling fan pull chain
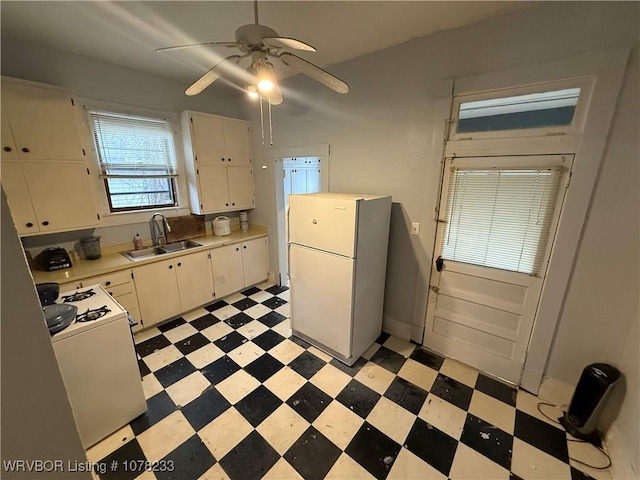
pixel 270 123
pixel 261 120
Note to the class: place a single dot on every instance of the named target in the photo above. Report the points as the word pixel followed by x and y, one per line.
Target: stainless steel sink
pixel 143 254
pixel 146 253
pixel 177 246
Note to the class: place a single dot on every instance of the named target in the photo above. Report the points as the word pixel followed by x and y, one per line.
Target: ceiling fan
pixel 261 43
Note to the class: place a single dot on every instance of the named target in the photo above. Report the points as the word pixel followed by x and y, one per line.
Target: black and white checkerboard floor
pixel 231 394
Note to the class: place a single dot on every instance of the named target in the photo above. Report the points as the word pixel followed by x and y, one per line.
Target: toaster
pixel 54 258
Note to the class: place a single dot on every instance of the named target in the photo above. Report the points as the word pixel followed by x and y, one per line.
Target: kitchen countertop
pixel 112 261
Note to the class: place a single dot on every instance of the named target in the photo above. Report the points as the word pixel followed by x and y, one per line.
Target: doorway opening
pixel 299 170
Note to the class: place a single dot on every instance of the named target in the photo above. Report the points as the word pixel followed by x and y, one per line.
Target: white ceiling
pixel 127 32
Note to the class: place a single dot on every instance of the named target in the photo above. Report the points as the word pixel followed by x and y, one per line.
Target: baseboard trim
pixel 396 328
pixel 531 380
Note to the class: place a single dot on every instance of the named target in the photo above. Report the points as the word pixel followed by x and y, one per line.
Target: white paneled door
pixel 496 224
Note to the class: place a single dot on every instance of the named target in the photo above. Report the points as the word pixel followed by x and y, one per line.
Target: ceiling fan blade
pixel 286 42
pixel 206 44
pixel 315 72
pixel 211 76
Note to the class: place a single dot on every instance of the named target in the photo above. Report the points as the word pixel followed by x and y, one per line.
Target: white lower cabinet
pixel 170 287
pixel 240 265
pixel 195 285
pixel 157 287
pixel 226 263
pixel 255 261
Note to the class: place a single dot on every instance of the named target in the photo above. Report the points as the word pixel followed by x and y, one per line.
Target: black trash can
pixel 594 388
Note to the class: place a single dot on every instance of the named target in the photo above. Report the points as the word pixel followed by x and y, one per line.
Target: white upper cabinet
pixel 218 163
pixel 218 140
pixel 39 124
pixel 44 171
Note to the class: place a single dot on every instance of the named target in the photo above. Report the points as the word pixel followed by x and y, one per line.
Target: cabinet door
pixel 237 142
pixel 157 289
pixel 228 276
pixel 194 280
pixel 214 190
pixel 241 193
pixel 43 122
pixel 208 139
pixel 299 180
pixel 255 261
pixel 15 186
pixel 9 151
pixel 313 180
pixel 61 195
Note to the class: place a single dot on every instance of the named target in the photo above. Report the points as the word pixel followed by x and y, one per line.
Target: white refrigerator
pixel 337 265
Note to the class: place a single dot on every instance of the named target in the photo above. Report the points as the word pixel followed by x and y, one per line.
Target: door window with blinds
pixel 137 160
pixel 501 217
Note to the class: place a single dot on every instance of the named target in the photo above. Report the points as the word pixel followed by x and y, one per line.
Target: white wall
pixel 380 136
pixel 37 420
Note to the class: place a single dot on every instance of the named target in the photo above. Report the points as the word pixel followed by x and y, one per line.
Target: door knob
pixel 439 264
pixel 435 289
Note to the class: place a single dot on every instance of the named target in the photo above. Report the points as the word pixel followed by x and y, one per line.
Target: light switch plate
pixel 415 228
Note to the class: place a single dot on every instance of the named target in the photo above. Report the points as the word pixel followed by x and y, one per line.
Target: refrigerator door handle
pixel 286 229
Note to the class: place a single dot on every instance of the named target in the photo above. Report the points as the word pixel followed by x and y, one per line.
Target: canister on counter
pixel 244 221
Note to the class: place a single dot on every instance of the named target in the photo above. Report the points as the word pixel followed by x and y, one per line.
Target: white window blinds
pixel 130 146
pixel 501 218
pixel 136 158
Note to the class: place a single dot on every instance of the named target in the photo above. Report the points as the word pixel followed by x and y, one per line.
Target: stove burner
pixel 91 315
pixel 78 296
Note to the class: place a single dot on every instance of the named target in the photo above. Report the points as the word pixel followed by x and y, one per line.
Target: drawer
pixel 119 290
pixel 110 280
pixel 129 301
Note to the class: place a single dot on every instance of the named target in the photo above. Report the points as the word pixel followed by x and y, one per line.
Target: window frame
pixel 97 146
pixel 577 125
pixel 115 218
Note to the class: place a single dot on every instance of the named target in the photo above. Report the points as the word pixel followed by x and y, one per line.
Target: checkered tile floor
pixel 231 394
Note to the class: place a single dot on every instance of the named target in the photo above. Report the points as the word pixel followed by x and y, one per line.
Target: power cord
pixel 574 440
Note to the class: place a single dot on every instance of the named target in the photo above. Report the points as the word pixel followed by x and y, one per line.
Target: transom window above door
pixel 535 110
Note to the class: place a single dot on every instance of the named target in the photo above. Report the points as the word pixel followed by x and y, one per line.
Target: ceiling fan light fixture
pixel 266 79
pixel 252 91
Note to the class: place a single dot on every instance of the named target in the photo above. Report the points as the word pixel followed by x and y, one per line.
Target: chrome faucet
pixel 159 233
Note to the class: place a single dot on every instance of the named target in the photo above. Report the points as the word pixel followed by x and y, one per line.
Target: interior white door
pixel 322 297
pixel 485 287
pixel 325 223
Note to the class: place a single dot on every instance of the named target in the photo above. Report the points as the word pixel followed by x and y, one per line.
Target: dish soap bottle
pixel 137 242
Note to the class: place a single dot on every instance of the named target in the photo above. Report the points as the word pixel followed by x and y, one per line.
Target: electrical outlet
pixel 415 228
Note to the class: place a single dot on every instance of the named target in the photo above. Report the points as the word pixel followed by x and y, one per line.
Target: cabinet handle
pixel 110 293
pixel 25 149
pixel 29 225
pixel 222 159
pixel 107 283
pixel 45 223
pixel 227 204
pixel 7 149
pixel 228 159
pixel 237 249
pixel 233 204
pixel 170 267
pixel 179 264
pixel 245 247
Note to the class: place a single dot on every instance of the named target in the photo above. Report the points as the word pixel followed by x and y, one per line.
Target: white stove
pixel 99 364
pixel 89 300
